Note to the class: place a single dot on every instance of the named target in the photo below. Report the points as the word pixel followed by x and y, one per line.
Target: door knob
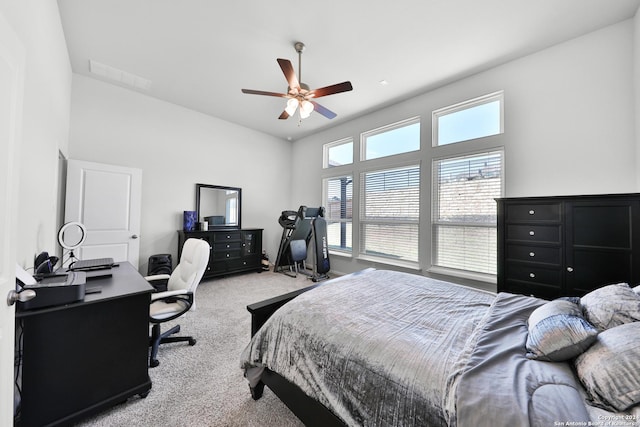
pixel 22 296
pixel 135 236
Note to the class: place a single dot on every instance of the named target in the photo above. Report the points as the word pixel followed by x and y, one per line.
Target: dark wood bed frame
pixel 308 410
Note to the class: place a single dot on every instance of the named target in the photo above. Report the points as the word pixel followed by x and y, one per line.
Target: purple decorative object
pixel 190 220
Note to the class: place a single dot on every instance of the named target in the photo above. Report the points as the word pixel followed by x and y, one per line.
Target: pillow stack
pixel 601 331
pixel 610 369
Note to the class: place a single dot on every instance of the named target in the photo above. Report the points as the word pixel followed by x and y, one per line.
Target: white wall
pixel 569 124
pixel 46 107
pixel 570 129
pixel 176 148
pixel 636 87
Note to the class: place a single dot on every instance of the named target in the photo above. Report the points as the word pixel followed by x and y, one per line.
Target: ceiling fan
pixel 299 94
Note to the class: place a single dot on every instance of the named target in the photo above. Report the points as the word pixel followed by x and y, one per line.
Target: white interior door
pixel 11 95
pixel 107 200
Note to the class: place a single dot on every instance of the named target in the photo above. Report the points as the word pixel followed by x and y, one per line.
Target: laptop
pixel 92 264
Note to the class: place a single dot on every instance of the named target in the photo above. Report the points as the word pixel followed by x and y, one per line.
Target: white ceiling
pixel 200 53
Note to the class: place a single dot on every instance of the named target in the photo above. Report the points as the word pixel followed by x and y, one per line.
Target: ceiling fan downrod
pixel 299 46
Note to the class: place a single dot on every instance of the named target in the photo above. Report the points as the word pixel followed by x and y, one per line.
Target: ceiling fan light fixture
pixel 298 93
pixel 292 105
pixel 306 108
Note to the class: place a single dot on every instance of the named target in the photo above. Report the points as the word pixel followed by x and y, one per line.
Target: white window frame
pixel 328 146
pixel 363 220
pixel 383 129
pixel 329 219
pixel 465 105
pixel 487 277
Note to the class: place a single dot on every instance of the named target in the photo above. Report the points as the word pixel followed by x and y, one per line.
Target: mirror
pixel 219 205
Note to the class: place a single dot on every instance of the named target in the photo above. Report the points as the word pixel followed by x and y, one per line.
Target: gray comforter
pixel 384 348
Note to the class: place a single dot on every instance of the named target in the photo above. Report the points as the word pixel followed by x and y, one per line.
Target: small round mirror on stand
pixel 71 236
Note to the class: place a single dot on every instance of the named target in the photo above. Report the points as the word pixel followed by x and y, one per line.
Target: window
pixel 398 138
pixel 464 211
pixel 338 202
pixel 231 207
pixel 389 213
pixel 338 153
pixel 472 119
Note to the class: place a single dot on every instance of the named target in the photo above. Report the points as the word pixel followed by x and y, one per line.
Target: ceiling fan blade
pixel 323 110
pixel 261 92
pixel 289 74
pixel 330 90
pixel 284 116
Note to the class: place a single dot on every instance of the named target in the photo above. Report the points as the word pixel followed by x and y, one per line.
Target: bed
pixel 385 348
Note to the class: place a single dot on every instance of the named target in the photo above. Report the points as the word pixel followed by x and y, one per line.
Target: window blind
pixel 338 212
pixel 464 211
pixel 389 213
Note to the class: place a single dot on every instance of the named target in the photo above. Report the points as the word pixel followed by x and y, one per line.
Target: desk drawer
pixel 547 255
pixel 527 212
pixel 534 233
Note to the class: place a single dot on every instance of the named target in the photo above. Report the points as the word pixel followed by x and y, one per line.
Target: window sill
pixel 340 254
pixel 479 277
pixel 386 261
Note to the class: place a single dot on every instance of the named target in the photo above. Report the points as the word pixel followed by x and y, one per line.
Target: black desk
pixel 78 359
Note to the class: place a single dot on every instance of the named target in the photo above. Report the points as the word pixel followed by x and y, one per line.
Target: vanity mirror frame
pixel 201 194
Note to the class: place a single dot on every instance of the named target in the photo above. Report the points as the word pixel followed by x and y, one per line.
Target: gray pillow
pixel 609 369
pixel 611 306
pixel 557 332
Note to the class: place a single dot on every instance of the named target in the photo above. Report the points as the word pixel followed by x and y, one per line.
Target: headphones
pixel 44 263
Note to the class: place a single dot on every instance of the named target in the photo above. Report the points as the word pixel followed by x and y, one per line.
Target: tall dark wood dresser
pixel 567 246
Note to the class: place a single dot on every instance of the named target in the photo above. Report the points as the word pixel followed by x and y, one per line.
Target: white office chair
pixel 179 296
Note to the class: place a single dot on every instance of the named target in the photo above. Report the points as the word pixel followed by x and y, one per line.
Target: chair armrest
pixel 167 294
pixel 182 296
pixel 157 277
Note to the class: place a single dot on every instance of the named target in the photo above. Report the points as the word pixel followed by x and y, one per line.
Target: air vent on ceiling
pixel 119 76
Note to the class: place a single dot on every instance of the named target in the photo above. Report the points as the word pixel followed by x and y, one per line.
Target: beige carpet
pixel 203 385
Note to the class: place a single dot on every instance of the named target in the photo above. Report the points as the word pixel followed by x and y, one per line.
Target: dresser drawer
pixel 534 233
pixel 539 290
pixel 548 255
pixel 226 236
pixel 226 246
pixel 224 255
pixel 534 274
pixel 534 212
pixel 245 262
